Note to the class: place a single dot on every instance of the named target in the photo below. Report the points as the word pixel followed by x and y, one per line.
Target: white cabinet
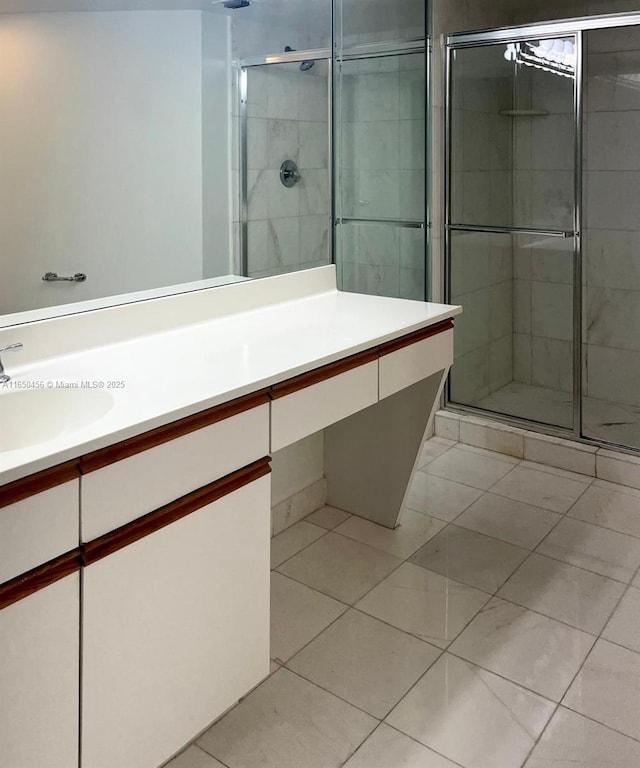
pixel 312 408
pixel 126 489
pixel 175 630
pixel 38 528
pixel 39 646
pixel 414 362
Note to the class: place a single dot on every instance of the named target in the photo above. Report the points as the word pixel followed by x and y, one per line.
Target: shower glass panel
pixel 380 200
pixel 514 340
pixel 511 227
pixel 611 243
pixel 512 137
pixel 286 209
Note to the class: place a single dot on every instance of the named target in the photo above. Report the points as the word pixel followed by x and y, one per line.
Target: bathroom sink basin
pixel 32 416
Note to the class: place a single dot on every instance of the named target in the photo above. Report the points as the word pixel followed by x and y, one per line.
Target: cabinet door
pixel 39 652
pixel 175 630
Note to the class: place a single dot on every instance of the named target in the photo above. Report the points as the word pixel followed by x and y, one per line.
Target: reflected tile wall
pixel 287 119
pixel 382 175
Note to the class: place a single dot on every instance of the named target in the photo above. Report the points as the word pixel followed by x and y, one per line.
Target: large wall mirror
pixel 121 146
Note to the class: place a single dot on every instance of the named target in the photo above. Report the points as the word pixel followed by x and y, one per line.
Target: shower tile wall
pixel 382 174
pixel 612 233
pixel 288 228
pixel 543 198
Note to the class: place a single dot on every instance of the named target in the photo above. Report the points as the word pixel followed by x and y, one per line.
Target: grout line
pixel 337 696
pixel 306 546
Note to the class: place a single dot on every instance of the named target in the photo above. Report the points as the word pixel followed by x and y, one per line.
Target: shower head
pixel 234 4
pixel 306 65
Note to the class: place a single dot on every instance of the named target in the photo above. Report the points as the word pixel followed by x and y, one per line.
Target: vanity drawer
pixel 408 361
pixel 38 528
pixel 301 407
pixel 121 491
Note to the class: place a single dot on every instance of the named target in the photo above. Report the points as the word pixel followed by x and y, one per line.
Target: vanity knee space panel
pixel 175 630
pixel 127 489
pixel 407 366
pixel 39 678
pixel 316 406
pixel 22 545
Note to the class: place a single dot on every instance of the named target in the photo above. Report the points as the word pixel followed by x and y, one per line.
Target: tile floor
pixel 497 627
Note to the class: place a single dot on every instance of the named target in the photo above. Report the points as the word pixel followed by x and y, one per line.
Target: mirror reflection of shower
pixel 305 66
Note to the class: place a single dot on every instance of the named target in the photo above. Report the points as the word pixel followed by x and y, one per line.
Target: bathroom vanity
pixel 135 506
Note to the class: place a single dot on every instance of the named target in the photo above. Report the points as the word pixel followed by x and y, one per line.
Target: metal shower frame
pixel 537 31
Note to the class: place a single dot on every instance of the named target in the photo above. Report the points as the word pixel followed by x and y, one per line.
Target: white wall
pixel 101 146
pixel 216 145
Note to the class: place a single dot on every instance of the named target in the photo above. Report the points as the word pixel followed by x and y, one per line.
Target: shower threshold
pixel 603 420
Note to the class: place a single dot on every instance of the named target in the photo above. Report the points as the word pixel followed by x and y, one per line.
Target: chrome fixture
pixel 3 376
pixel 52 277
pixel 289 173
pixel 305 66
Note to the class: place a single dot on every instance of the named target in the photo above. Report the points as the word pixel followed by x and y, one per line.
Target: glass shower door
pixel 611 247
pixel 511 223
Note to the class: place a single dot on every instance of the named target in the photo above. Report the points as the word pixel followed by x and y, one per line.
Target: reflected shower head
pixel 306 65
pixel 233 4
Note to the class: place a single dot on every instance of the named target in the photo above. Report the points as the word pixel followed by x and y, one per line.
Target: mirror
pixel 119 148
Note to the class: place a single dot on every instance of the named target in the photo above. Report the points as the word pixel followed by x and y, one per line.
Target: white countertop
pixel 170 374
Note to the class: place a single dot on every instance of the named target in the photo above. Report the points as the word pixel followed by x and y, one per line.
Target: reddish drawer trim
pixel 28 486
pixel 131 532
pixel 38 578
pixel 415 337
pixel 322 374
pixel 168 432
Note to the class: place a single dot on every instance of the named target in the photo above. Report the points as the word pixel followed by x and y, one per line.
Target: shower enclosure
pixel 543 225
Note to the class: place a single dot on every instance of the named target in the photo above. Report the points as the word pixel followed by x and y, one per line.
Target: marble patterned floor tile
pixel 573 741
pixel 340 567
pixel 298 614
pixel 438 497
pixel 567 474
pixel 607 689
pixel 508 520
pixel 470 557
pixel 287 722
pixel 602 505
pixel 414 529
pixel 292 540
pixel 433 448
pixel 577 597
pixel 624 626
pixel 194 757
pixel 365 662
pixel 636 581
pixel 388 748
pixel 488 453
pixel 470 468
pixel 328 517
pixel 597 549
pixel 540 488
pixel 472 716
pixel 525 647
pixel 424 603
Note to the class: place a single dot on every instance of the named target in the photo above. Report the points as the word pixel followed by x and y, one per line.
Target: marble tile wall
pixel 612 236
pixel 382 175
pixel 287 118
